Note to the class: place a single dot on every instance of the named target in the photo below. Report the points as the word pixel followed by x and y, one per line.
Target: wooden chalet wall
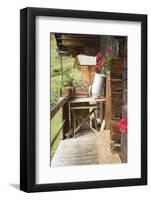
pixel 116 94
pixel 124 143
pixel 116 97
pixel 114 82
pixel 119 95
pixel 111 42
pixel 75 44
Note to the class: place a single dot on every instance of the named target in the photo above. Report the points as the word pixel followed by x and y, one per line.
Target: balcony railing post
pixel 58 106
pixel 65 116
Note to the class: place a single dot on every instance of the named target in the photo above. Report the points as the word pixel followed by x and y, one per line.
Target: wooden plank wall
pixel 124 144
pixel 116 97
pixel 87 74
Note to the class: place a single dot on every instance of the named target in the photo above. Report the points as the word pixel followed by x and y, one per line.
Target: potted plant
pixel 67 90
pixel 103 65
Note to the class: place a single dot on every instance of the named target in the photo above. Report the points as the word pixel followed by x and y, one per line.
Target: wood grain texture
pixel 116 85
pixel 76 151
pixel 87 149
pixel 117 61
pixel 87 74
pixel 124 147
pixel 81 91
pixel 65 116
pixel 58 106
pixel 115 133
pixel 116 71
pixel 108 102
pixel 116 96
pixel 103 147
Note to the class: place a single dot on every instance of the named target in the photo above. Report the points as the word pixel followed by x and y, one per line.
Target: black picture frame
pixel 28 99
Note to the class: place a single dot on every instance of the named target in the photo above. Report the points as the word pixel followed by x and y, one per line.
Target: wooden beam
pixel 79 39
pixel 79 43
pixel 60 104
pixel 86 99
pixel 82 107
pixel 64 36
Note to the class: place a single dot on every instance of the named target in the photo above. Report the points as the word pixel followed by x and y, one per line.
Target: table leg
pixel 95 117
pixel 74 124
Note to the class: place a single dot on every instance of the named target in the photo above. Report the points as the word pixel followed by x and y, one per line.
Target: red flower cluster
pixel 123 125
pixel 107 51
pixel 98 65
pixel 98 56
pixel 101 61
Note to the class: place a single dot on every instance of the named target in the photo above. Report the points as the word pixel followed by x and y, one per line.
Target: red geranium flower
pixel 103 64
pixel 107 51
pixel 95 67
pixel 123 125
pixel 99 63
pixel 99 56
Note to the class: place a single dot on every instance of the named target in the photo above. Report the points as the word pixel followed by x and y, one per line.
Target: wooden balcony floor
pixel 87 148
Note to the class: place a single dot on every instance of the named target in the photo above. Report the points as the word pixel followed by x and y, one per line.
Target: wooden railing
pixel 56 135
pixel 58 106
pixel 61 104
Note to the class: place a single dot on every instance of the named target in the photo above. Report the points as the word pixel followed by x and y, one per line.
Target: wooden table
pixel 91 105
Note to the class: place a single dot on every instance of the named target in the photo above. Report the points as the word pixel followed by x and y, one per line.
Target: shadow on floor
pixel 15 185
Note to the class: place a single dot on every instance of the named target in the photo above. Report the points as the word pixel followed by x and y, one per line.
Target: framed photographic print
pixel 83 99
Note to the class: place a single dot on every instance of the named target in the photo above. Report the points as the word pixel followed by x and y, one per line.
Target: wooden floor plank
pixel 87 148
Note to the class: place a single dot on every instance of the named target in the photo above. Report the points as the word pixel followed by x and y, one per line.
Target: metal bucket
pixel 98 85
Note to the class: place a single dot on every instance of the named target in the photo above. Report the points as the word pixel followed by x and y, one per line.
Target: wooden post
pixel 108 102
pixel 61 70
pixel 65 116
